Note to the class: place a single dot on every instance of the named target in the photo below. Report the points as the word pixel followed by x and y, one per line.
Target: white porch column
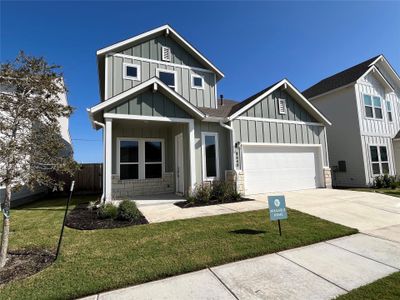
pixel 108 160
pixel 192 154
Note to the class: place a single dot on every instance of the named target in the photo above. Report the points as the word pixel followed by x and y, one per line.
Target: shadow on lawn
pixel 247 231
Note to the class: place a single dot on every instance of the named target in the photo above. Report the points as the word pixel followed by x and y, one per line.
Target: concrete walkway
pixel 319 271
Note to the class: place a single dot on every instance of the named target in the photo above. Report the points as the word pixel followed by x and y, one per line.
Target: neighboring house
pixel 25 194
pixel 165 130
pixel 362 103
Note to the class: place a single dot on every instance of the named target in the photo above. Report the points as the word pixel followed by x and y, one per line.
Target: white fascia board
pixel 167 90
pixel 380 75
pixel 383 58
pixel 179 39
pixel 271 90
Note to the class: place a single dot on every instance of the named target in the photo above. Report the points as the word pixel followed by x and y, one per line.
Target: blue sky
pixel 254 43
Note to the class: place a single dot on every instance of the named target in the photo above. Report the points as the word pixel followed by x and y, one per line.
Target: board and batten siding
pixel 150 104
pixel 181 62
pixel 276 132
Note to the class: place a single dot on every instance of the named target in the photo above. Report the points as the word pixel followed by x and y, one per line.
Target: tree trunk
pixel 6 227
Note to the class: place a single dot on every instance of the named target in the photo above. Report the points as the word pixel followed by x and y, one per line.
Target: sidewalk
pixel 319 271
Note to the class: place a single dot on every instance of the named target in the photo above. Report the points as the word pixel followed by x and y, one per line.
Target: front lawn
pixel 100 260
pixel 387 288
pixel 390 192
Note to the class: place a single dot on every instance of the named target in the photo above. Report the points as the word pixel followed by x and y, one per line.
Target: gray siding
pixel 151 49
pixel 268 108
pixel 150 104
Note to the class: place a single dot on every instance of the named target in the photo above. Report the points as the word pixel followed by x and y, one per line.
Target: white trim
pixel 168 49
pixel 160 62
pixel 106 77
pixel 375 70
pixel 192 154
pixel 379 162
pixel 279 121
pixel 125 76
pixel 141 155
pixel 182 170
pixel 373 107
pixel 215 91
pixel 280 144
pixel 139 88
pixel 108 159
pixel 383 58
pixel 175 87
pixel 272 89
pixel 192 76
pixel 203 153
pixel 154 32
pixel 146 118
pixel 375 134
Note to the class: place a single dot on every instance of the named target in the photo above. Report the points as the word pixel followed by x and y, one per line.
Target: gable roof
pixel 240 108
pixel 155 32
pixel 340 79
pixel 157 85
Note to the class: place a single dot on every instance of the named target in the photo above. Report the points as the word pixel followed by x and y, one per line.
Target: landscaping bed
pixel 23 263
pixel 188 204
pixel 83 218
pixel 99 260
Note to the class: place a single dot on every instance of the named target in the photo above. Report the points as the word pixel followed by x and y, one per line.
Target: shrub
pixel 201 193
pixel 107 211
pixel 127 211
pixel 385 181
pixel 220 191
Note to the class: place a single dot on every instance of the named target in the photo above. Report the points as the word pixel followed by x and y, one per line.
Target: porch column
pixel 192 155
pixel 108 160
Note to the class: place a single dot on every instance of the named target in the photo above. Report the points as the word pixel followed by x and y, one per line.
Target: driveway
pixel 371 213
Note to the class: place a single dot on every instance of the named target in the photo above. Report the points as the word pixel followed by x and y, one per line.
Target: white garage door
pixel 280 168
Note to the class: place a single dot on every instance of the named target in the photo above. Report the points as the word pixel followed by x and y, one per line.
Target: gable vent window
pixel 197 82
pixel 166 53
pixel 282 106
pixel 131 71
pixel 168 77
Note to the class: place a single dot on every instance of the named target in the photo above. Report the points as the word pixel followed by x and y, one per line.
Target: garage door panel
pixel 273 169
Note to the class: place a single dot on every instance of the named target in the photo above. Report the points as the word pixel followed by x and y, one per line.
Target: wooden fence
pixel 89 179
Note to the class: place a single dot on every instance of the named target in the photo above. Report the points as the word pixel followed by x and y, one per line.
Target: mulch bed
pixel 186 204
pixel 85 219
pixel 24 263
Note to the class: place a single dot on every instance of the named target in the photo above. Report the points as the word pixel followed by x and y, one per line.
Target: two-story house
pixel 362 103
pixel 165 130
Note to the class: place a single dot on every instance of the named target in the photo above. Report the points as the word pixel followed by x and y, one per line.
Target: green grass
pixel 390 192
pixel 387 288
pixel 95 261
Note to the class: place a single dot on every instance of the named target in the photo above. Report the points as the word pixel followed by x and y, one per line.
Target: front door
pixel 179 172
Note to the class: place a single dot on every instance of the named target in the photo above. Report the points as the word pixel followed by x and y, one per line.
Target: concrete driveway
pixel 371 213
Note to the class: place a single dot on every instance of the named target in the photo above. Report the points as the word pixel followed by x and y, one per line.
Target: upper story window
pixel 197 82
pixel 131 71
pixel 168 77
pixel 210 155
pixel 379 160
pixel 165 53
pixel 373 107
pixel 389 111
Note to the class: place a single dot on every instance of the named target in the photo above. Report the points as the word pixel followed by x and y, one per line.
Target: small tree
pixel 31 147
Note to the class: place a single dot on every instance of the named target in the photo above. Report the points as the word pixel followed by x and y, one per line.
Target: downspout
pixel 104 158
pixel 232 138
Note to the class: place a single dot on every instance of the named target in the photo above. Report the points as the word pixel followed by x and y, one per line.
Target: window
pixel 373 107
pixel 379 160
pixel 129 160
pixel 165 53
pixel 168 77
pixel 282 106
pixel 210 155
pixel 197 82
pixel 153 159
pixel 131 71
pixel 140 158
pixel 389 111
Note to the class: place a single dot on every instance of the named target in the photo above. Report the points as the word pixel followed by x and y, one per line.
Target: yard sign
pixel 277 209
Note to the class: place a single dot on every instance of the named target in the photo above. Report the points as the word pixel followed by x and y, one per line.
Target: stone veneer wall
pixel 138 187
pixel 328 177
pixel 236 178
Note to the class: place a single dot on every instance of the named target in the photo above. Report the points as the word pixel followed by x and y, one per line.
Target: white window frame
pixel 125 65
pixel 389 111
pixel 373 107
pixel 379 162
pixel 203 150
pixel 162 53
pixel 142 159
pixel 175 88
pixel 193 76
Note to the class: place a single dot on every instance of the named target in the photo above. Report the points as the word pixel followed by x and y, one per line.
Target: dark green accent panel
pixel 150 104
pixel 268 108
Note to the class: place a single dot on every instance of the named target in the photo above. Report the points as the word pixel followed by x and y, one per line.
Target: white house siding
pixel 373 131
pixel 344 142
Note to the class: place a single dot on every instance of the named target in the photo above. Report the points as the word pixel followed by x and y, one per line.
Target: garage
pixel 277 168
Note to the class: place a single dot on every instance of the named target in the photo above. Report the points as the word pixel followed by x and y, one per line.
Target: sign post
pixel 277 210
